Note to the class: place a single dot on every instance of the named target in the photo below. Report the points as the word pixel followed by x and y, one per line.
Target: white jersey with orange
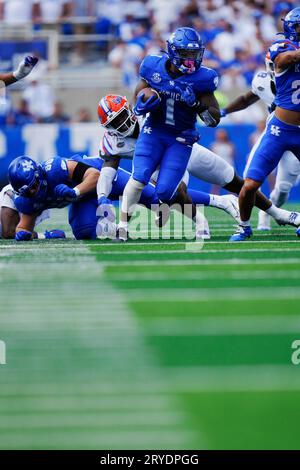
pixel 261 87
pixel 114 145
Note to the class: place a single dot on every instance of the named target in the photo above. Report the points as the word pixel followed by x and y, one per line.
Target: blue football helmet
pixel 185 50
pixel 26 177
pixel 290 22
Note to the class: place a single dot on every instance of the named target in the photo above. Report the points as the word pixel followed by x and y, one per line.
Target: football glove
pixel 23 236
pixel 189 96
pixel 53 234
pixel 62 191
pixel 142 108
pixel 188 137
pixel 25 67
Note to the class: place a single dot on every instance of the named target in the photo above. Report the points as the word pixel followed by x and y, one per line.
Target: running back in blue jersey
pixel 288 81
pixel 173 114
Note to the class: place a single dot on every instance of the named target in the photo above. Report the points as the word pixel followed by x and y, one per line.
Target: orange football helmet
pixel 114 113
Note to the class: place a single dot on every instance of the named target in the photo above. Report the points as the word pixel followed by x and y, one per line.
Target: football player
pixel 263 88
pixel 52 184
pixel 283 127
pixel 10 217
pixel 182 90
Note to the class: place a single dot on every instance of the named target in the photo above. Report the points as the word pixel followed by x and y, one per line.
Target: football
pixel 148 92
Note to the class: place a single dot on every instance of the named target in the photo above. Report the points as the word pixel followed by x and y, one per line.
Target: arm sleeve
pixel 105 181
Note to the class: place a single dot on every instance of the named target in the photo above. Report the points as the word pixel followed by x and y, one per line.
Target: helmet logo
pixel 27 165
pixel 117 99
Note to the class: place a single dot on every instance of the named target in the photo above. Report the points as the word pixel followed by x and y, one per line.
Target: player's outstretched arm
pixel 24 69
pixel 85 176
pixel 241 102
pixel 209 110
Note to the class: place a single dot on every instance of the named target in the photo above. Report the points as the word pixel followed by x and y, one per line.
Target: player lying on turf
pixel 123 128
pixel 24 69
pixel 60 182
pixel 51 184
pixel 263 87
pixel 283 128
pixel 10 217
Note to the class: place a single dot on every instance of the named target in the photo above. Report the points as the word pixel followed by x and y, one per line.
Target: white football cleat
pixel 264 221
pixel 202 227
pixel 289 218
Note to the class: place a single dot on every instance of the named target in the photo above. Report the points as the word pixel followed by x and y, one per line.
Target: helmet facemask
pixel 123 122
pixel 188 60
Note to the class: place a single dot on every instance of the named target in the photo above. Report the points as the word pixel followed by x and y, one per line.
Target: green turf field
pixel 151 344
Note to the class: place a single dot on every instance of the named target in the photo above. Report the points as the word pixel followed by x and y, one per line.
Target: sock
pixel 216 201
pixel 245 223
pixel 279 214
pixel 123 224
pixel 131 196
pixel 105 181
pixel 199 197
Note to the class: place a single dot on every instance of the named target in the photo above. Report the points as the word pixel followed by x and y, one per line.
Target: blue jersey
pixel 173 114
pixel 55 172
pixel 288 81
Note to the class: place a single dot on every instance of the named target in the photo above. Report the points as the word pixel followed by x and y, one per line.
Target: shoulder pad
pixel 149 65
pixel 207 79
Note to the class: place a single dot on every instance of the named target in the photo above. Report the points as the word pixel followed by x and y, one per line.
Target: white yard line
pixel 248 378
pixel 218 294
pixel 224 325
pixel 66 246
pixel 199 262
pixel 213 275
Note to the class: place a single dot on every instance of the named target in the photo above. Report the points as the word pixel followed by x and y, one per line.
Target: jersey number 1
pixel 170 112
